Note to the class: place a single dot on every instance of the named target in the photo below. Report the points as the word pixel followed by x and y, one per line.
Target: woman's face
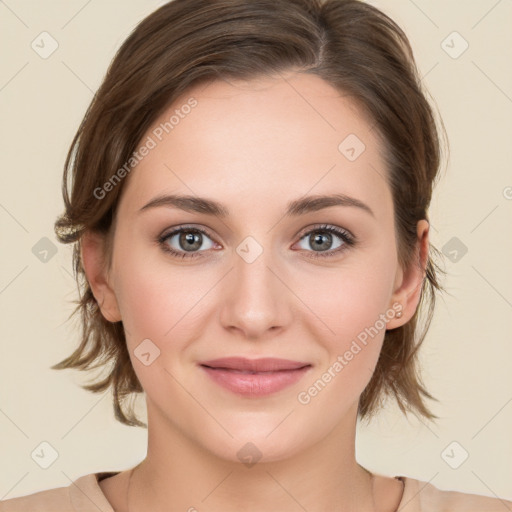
pixel 269 279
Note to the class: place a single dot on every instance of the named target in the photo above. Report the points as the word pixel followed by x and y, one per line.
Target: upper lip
pixel 266 364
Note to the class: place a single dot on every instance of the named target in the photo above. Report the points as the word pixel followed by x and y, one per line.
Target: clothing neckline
pixel 81 501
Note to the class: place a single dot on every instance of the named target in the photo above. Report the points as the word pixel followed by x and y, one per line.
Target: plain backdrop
pixel 463 50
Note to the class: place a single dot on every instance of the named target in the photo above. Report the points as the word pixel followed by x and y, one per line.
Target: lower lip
pixel 255 384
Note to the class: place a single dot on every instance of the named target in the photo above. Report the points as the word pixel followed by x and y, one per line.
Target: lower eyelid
pixel 346 243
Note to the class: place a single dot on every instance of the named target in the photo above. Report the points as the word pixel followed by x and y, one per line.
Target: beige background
pixel 467 354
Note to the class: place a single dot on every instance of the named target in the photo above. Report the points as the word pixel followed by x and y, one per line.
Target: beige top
pixel 85 495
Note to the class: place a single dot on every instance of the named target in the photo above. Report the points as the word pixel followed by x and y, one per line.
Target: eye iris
pixel 319 238
pixel 190 241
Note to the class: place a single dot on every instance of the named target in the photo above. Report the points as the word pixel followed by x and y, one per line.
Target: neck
pixel 178 474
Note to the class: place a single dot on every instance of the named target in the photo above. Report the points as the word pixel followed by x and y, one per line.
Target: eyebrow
pixel 294 208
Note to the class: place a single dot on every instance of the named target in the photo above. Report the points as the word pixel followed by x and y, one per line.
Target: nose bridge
pixel 253 264
pixel 256 300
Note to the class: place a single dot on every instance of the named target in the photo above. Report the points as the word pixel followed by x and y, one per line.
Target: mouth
pixel 255 377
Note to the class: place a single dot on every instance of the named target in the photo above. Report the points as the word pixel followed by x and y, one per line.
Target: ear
pixel 408 282
pixel 92 253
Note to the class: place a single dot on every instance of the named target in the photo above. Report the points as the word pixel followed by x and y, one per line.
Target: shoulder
pixel 83 495
pixel 420 496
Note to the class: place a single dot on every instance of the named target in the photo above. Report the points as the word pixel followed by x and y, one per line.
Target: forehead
pixel 239 141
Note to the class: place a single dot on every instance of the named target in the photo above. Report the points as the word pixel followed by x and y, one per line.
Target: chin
pixel 254 445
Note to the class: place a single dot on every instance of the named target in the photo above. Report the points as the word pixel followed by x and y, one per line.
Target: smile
pixel 254 378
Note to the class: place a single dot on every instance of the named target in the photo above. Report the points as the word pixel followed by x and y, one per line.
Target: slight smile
pixel 255 377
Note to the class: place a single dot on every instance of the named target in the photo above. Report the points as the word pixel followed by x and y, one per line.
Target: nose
pixel 256 299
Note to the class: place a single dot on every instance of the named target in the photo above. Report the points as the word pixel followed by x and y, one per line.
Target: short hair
pixel 352 46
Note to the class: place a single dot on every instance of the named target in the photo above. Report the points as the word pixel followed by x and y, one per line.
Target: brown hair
pixel 352 46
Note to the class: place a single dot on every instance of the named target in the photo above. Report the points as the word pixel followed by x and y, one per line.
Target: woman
pixel 249 203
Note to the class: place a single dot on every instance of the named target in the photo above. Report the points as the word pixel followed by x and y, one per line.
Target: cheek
pixel 164 304
pixel 155 319
pixel 352 298
pixel 155 296
pixel 355 309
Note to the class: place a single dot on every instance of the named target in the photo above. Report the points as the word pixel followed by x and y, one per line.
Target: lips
pixel 267 364
pixel 254 377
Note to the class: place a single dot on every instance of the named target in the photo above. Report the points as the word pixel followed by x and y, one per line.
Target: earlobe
pixel 409 284
pixel 92 253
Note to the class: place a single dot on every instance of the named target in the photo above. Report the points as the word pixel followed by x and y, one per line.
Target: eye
pixel 321 239
pixel 187 242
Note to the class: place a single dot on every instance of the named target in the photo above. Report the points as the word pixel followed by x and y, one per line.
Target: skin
pixel 254 146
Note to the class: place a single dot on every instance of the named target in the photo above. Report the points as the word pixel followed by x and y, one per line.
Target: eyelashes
pixel 348 240
pixel 191 237
pixel 197 235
